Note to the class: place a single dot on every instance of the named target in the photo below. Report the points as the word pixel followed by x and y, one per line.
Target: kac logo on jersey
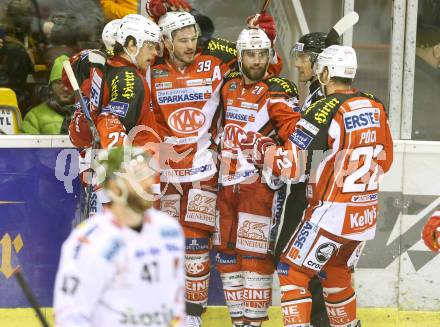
pixel 362 118
pixel 301 139
pixel 186 120
pixel 233 134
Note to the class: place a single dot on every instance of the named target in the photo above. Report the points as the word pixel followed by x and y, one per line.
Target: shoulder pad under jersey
pixel 282 85
pixel 371 96
pixel 223 49
pixel 231 75
pixel 322 111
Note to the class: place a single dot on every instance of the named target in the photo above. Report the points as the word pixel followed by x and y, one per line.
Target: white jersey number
pixel 204 66
pixel 355 181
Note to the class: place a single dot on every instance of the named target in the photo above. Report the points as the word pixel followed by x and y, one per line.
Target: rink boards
pixel 397 277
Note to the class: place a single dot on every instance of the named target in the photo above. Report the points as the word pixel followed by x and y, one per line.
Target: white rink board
pixel 409 282
pixel 405 273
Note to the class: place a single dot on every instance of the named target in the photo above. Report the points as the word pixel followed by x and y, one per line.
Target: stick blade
pixel 346 22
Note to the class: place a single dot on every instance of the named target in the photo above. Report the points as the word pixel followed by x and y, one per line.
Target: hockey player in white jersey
pixel 124 266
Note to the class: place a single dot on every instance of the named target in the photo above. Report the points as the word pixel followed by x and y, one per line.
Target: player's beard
pixel 255 74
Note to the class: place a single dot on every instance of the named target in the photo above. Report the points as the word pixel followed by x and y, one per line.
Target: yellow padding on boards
pixel 218 317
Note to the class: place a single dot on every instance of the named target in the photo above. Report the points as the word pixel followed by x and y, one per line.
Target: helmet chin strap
pixel 132 56
pixel 240 65
pixel 171 49
pixel 323 84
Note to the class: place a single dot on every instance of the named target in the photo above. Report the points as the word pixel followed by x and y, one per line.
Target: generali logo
pixel 186 120
pixel 202 204
pixel 232 136
pixel 253 230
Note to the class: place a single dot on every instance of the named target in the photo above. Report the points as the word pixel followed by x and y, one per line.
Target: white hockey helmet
pixel 110 32
pixel 141 28
pixel 175 20
pixel 340 61
pixel 250 39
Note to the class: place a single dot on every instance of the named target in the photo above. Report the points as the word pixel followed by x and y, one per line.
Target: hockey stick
pixel 96 141
pixel 72 79
pixel 30 297
pixel 345 23
pixel 251 22
pixel 265 5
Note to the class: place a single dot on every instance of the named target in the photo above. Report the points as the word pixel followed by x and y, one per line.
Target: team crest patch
pixel 233 86
pixel 159 73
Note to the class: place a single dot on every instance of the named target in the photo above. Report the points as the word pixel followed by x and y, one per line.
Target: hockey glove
pixel 79 130
pixel 254 147
pixel 266 22
pixel 157 8
pixel 431 232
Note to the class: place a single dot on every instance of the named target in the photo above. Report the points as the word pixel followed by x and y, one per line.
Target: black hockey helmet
pixel 312 43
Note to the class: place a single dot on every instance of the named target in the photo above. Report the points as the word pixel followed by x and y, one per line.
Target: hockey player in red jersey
pixel 122 89
pixel 348 137
pixel 186 86
pixel 249 203
pixel 305 52
pixel 116 92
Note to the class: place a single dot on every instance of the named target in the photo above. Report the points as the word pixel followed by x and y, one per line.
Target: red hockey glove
pixel 157 8
pixel 431 232
pixel 266 23
pixel 254 147
pixel 79 130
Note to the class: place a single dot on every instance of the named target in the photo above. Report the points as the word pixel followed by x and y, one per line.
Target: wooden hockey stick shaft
pixel 72 79
pixel 30 297
pixel 265 5
pixel 96 140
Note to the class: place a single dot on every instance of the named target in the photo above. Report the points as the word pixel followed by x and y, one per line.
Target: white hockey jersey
pixel 112 276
